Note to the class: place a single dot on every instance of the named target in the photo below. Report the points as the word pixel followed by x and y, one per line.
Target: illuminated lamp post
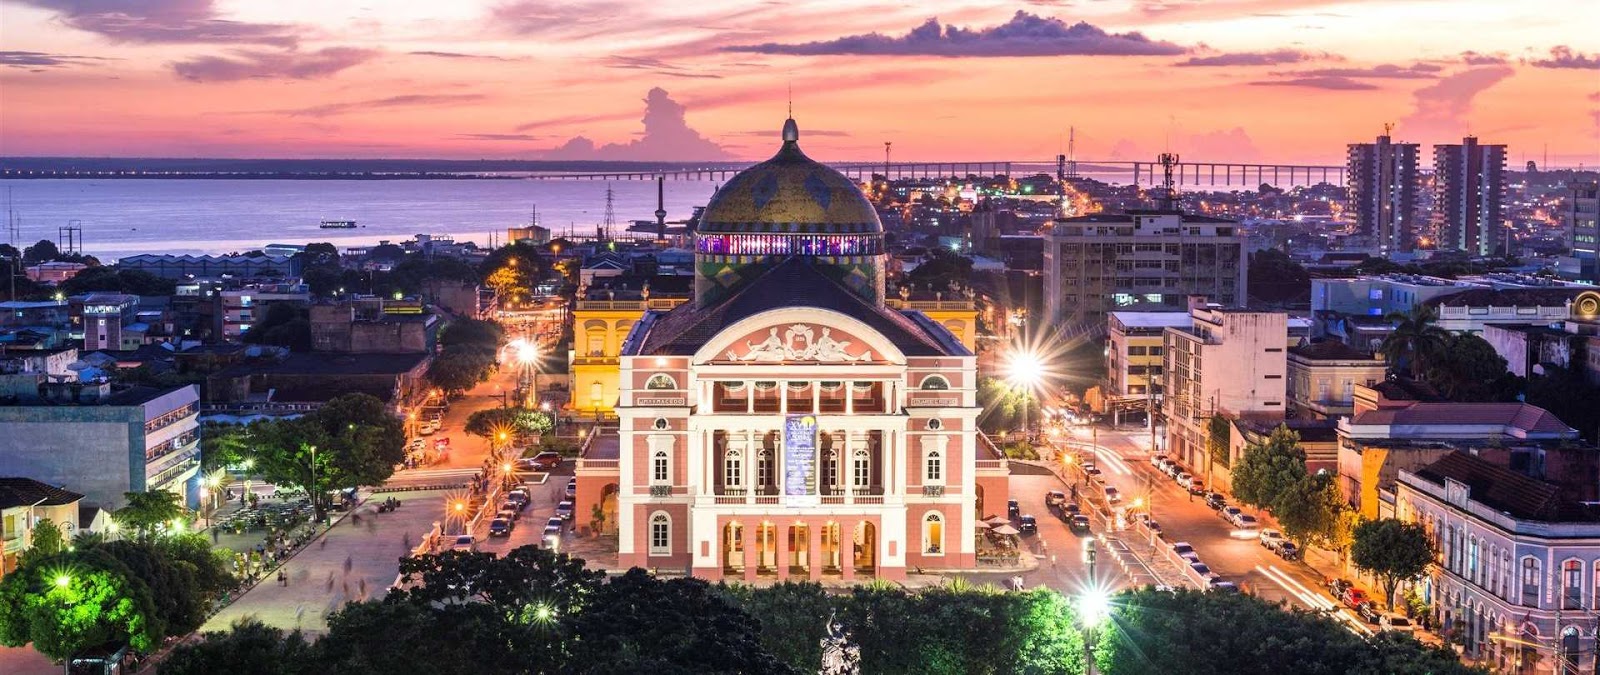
pixel 1094 607
pixel 1024 372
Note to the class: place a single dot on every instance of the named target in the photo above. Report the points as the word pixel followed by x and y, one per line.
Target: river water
pixel 122 217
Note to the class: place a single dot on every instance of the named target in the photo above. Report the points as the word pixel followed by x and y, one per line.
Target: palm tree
pixel 1415 340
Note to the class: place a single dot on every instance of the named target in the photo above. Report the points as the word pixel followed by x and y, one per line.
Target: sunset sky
pixel 1270 80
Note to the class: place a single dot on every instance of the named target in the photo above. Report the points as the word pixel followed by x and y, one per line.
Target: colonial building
pixel 787 422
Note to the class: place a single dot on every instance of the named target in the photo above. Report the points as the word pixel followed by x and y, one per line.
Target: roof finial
pixel 791 99
pixel 791 131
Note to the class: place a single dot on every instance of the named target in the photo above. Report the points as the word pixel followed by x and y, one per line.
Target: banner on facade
pixel 799 458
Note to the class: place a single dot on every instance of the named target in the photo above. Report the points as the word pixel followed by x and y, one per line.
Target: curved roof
pixel 790 194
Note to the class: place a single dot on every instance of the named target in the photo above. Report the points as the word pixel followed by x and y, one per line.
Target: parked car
pixel 1247 525
pixel 546 461
pixel 1197 487
pixel 1270 539
pixel 551 537
pixel 1368 611
pixel 1156 460
pixel 564 510
pixel 1153 526
pixel 1072 509
pixel 465 542
pixel 1080 523
pixel 508 514
pixel 1013 509
pixel 1229 513
pixel 1185 479
pixel 1113 496
pixel 1200 568
pixel 1353 597
pixel 1172 469
pixel 1055 498
pixel 1220 586
pixel 1337 587
pixel 500 527
pixel 1027 525
pixel 1216 501
pixel 416 445
pixel 1093 472
pixel 572 489
pixel 1288 551
pixel 1396 623
pixel 1185 551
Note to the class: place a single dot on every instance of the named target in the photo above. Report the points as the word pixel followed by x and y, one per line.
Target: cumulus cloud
pixel 294 65
pixel 1330 82
pixel 667 137
pixel 40 60
pixel 1269 58
pixel 164 22
pixel 401 101
pixel 1562 56
pixel 1024 35
pixel 1442 107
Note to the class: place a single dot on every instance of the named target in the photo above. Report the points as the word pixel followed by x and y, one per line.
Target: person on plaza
pixel 283 578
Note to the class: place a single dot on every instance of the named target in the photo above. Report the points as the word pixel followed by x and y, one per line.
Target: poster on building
pixel 799 458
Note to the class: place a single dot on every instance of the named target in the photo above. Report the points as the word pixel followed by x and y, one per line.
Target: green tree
pixel 1002 405
pixel 147 513
pixel 941 270
pixel 74 601
pixel 465 639
pixel 351 441
pixel 223 446
pixel 1415 341
pixel 638 623
pixel 1309 509
pixel 1219 436
pixel 1268 468
pixel 1567 395
pixel 472 333
pixel 1276 278
pixel 47 539
pixel 490 421
pixel 933 631
pixel 283 325
pixel 460 369
pixel 248 648
pixel 1392 550
pixel 42 251
pixel 180 604
pixel 1468 369
pixel 526 585
pixel 794 618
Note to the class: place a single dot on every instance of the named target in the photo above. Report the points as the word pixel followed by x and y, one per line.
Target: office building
pixel 105 443
pixel 1150 260
pixel 1469 190
pixel 1228 363
pixel 787 422
pixel 1580 215
pixel 1382 180
pixel 1323 377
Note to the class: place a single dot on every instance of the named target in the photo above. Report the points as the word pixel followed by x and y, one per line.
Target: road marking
pixel 1313 599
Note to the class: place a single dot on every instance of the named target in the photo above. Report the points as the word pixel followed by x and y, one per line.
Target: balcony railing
pixel 661 491
pixel 933 490
pixel 166 475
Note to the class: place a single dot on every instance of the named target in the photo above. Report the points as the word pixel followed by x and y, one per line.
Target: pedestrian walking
pixel 348 563
pixel 213 536
pixel 283 578
pixel 328 587
pixel 1052 561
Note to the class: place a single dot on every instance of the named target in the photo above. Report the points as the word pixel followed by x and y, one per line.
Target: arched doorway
pixel 608 506
pixel 830 548
pixel 799 557
pixel 767 549
pixel 1528 650
pixel 1569 654
pixel 733 548
pixel 866 561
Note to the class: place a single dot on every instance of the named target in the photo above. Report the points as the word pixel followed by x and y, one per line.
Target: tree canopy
pixel 1468 369
pixel 72 601
pixel 351 440
pixel 284 325
pixel 1392 550
pixel 490 421
pixel 1269 468
pixel 149 512
pixel 1275 278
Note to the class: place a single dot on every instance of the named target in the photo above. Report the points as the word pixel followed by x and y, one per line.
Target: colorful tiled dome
pixel 790 194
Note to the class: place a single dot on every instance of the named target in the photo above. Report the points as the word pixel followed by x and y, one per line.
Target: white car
pixel 1271 539
pixel 1113 496
pixel 1185 551
pixel 1246 527
pixel 1156 460
pixel 465 542
pixel 1185 480
pixel 1396 622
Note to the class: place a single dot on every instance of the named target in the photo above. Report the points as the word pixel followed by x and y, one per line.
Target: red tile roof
pixel 1529 418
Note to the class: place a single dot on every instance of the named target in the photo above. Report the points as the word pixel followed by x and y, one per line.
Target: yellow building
pixel 598 329
pixel 958 315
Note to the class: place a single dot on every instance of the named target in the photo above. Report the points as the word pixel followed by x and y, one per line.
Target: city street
pixel 1124 460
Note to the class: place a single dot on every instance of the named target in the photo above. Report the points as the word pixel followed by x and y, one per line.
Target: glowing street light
pixel 1025 371
pixel 62 581
pixel 1094 606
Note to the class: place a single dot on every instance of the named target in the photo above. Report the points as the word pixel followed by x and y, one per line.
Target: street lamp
pixel 1025 370
pixel 1094 607
pixel 315 498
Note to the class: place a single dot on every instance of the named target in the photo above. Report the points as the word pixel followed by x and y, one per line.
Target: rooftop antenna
pixel 1169 193
pixel 886 145
pixel 610 216
pixel 1387 127
pixel 661 207
pixel 1072 152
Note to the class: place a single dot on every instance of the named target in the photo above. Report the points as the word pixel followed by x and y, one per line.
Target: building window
pixel 660 534
pixel 861 469
pixel 935 383
pixel 934 472
pixel 1572 584
pixel 660 470
pixel 1134 350
pixel 1530 582
pixel 661 381
pixel 1594 598
pixel 933 534
pixel 1472 559
pixel 764 467
pixel 733 468
pixel 934 424
pixel 830 467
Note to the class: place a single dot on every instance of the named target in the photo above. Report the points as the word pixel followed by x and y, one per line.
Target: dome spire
pixel 791 131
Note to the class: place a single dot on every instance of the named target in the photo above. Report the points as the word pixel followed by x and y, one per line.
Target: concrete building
pixel 240 308
pixel 1230 363
pixel 106 316
pixel 1323 377
pixel 1518 569
pixel 1469 193
pixel 105 442
pixel 1383 182
pixel 181 267
pixel 1474 310
pixel 296 383
pixel 1139 261
pixel 23 503
pixel 369 325
pixel 1134 352
pixel 1381 295
pixel 1580 215
pixel 53 272
pixel 786 422
pixel 600 322
pixel 1384 437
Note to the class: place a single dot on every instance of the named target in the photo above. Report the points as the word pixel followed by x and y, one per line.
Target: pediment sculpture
pixel 799 342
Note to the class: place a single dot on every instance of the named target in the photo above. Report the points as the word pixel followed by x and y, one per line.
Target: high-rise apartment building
pixel 1469 189
pixel 1141 260
pixel 1383 184
pixel 1580 213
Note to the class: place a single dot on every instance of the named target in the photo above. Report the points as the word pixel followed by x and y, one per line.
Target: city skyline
pixel 1240 80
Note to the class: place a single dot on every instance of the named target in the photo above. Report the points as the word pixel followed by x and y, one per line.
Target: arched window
pixel 1594 599
pixel 660 533
pixel 933 534
pixel 830 467
pixel 935 383
pixel 1572 584
pixel 660 469
pixel 934 467
pixel 733 468
pixel 1472 560
pixel 1530 581
pixel 661 381
pixel 861 469
pixel 764 467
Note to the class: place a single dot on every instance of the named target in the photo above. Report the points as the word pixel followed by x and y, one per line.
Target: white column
pixel 849 397
pixel 749 397
pixel 692 461
pixel 783 397
pixel 750 463
pixel 816 396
